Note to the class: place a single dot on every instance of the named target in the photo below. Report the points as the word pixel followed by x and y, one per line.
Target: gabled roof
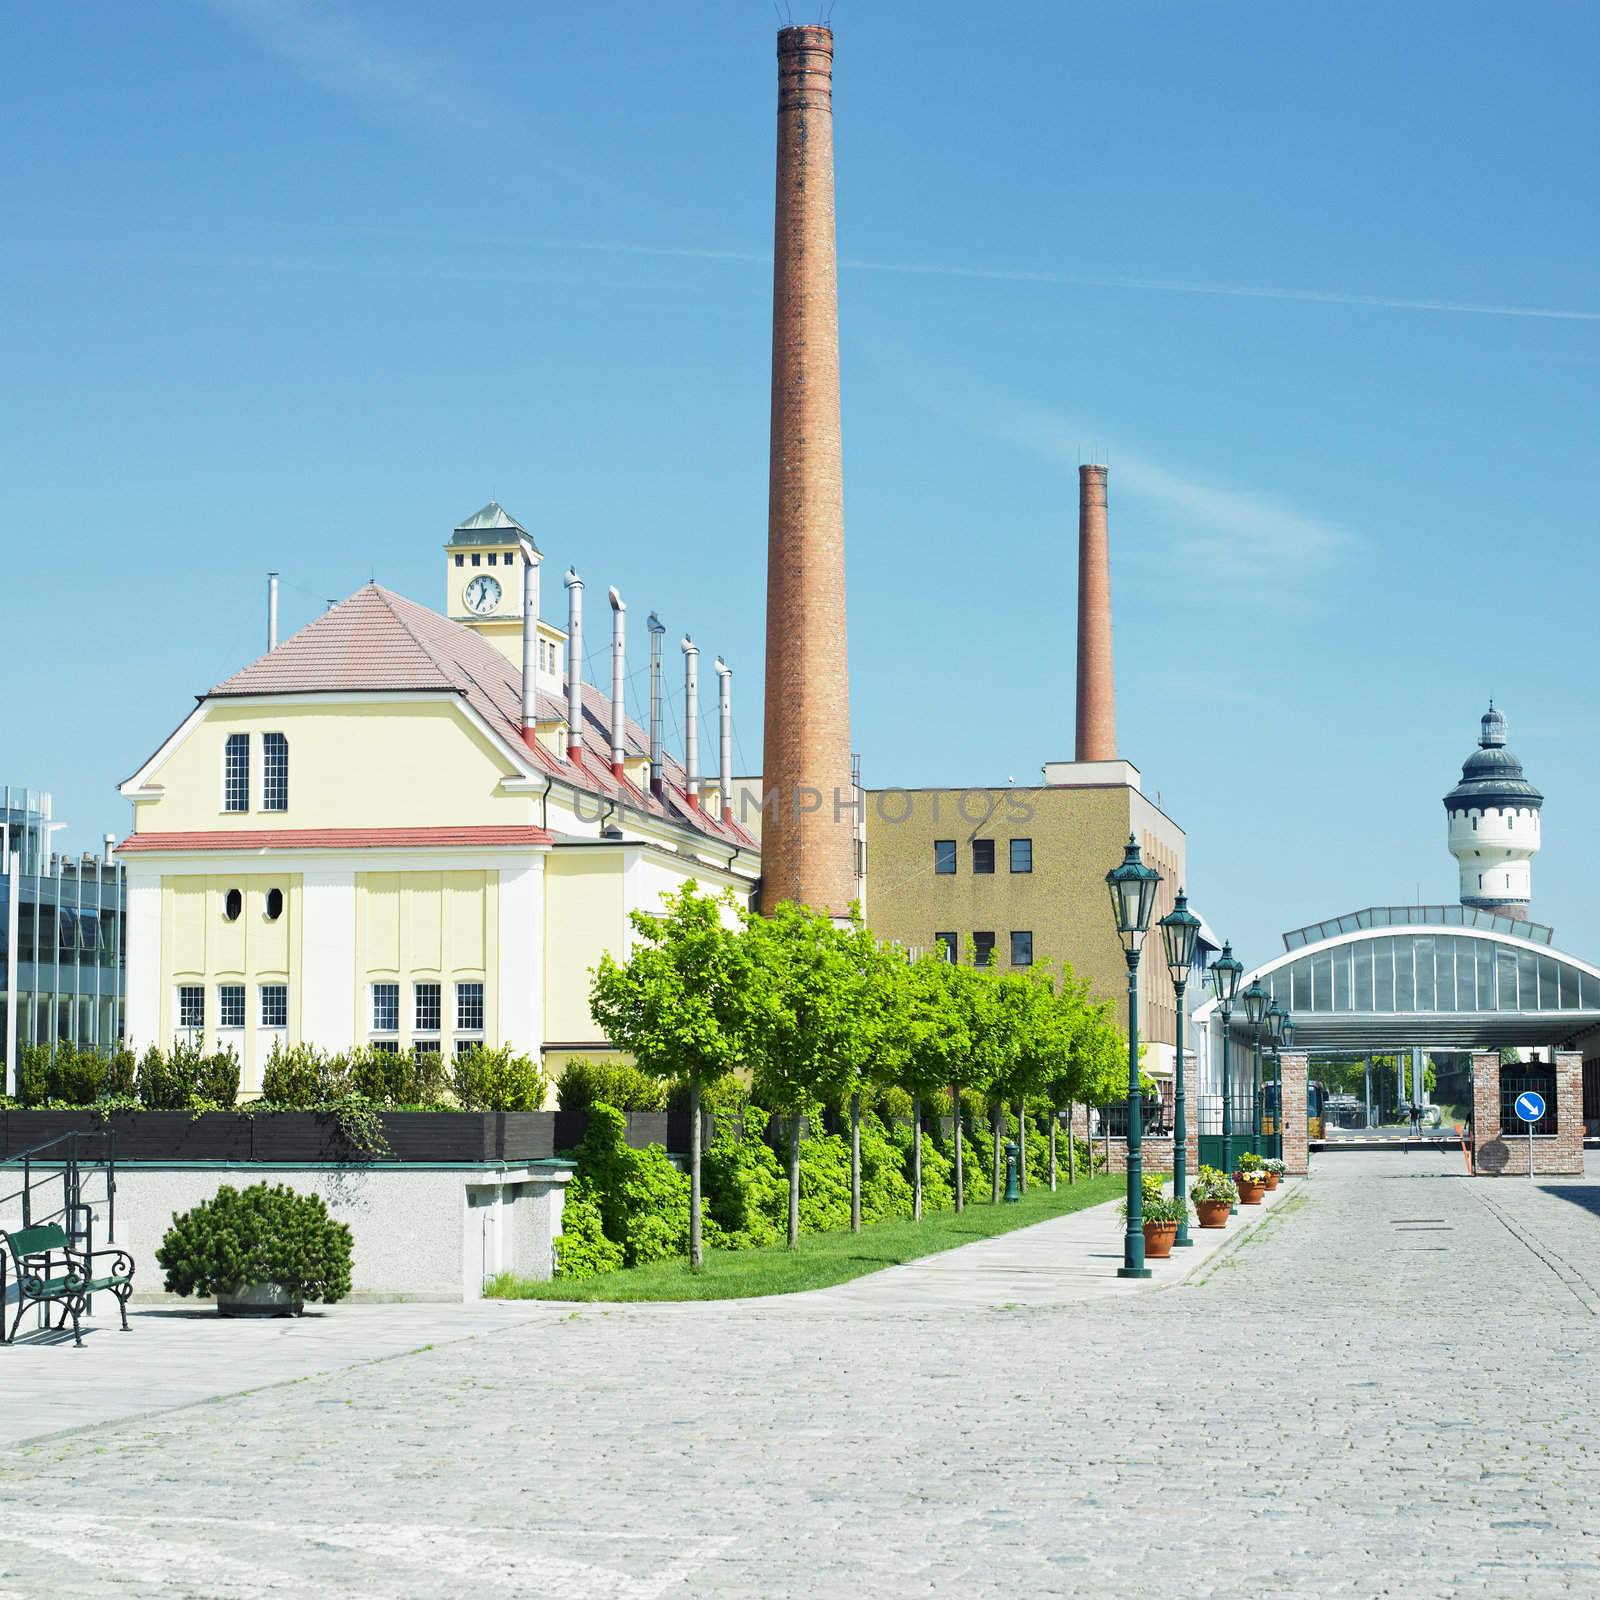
pixel 378 641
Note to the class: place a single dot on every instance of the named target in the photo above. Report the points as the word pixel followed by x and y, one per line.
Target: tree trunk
pixel 961 1192
pixel 916 1158
pixel 996 1116
pixel 794 1180
pixel 1022 1145
pixel 1053 1120
pixel 1072 1149
pixel 695 1258
pixel 855 1163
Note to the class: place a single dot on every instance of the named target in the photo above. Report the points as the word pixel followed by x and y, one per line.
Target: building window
pixel 982 949
pixel 191 1005
pixel 425 1009
pixel 232 905
pixel 389 1047
pixel 236 773
pixel 274 904
pixel 944 857
pixel 983 855
pixel 469 1011
pixel 461 561
pixel 274 772
pixel 475 559
pixel 492 560
pixel 424 1047
pixel 949 944
pixel 230 1005
pixel 1021 949
pixel 274 1005
pixel 1474 824
pixel 386 1008
pixel 1022 855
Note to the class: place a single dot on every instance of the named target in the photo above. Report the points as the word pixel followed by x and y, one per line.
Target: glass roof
pixel 1418 917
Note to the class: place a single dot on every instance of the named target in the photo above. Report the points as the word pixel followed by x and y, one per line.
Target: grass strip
pixel 823 1259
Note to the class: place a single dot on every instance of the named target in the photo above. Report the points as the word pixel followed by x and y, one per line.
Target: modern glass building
pixel 62 927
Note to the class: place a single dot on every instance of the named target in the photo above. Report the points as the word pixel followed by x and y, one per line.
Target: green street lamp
pixel 1275 1019
pixel 1133 901
pixel 1254 1000
pixel 1180 928
pixel 1226 971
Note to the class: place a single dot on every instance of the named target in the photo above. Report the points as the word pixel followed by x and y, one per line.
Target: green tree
pixel 1044 1025
pixel 875 984
pixel 976 994
pixel 805 1026
pixel 680 1004
pixel 932 1042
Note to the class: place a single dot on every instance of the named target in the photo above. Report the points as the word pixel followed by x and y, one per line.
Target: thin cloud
pixel 1234 543
pixel 340 53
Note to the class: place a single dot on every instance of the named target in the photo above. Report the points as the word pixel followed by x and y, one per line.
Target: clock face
pixel 482 595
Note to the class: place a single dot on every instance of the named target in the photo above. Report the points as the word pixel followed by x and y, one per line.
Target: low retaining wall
pixel 419 1232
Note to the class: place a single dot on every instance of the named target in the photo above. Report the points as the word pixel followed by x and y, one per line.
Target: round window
pixel 232 905
pixel 274 904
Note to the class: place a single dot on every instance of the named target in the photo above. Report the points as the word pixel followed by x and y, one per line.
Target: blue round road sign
pixel 1530 1107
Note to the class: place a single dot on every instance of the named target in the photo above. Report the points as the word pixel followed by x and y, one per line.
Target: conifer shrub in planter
pixel 1213 1195
pixel 262 1251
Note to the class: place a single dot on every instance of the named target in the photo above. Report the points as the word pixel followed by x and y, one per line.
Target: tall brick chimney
pixel 807 850
pixel 1097 700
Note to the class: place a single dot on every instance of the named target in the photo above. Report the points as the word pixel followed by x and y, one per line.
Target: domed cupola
pixel 1494 824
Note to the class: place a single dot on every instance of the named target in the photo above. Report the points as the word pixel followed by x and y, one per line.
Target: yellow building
pixel 408 829
pixel 1021 872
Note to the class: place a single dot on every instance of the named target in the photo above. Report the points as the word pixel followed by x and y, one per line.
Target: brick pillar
pixel 808 836
pixel 1488 1148
pixel 1296 1149
pixel 1566 1157
pixel 1097 701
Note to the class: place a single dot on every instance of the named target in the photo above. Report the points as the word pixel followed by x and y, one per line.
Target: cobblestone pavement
pixel 1386 1390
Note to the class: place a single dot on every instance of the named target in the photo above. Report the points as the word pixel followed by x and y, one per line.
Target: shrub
pixel 744 1186
pixel 264 1234
pixel 484 1079
pixel 725 1096
pixel 214 1079
pixel 586 1083
pixel 158 1084
pixel 298 1077
pixel 582 1249
pixel 122 1070
pixel 1212 1185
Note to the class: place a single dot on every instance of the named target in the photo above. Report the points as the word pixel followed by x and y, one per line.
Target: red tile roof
pixel 336 839
pixel 378 640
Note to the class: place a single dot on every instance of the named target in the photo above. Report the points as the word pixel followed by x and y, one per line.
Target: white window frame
pixel 227 746
pixel 266 771
pixel 261 1006
pixel 193 1029
pixel 375 1033
pixel 223 1025
pixel 464 1037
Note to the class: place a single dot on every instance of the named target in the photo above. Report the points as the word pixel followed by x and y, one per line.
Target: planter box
pixel 181 1136
pixel 669 1129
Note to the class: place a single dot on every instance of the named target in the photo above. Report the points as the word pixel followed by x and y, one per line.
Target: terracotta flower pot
pixel 1272 1181
pixel 1212 1213
pixel 1250 1189
pixel 1158 1237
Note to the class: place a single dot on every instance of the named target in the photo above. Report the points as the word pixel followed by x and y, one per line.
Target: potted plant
pixel 262 1251
pixel 1162 1214
pixel 1212 1193
pixel 1251 1178
pixel 1274 1170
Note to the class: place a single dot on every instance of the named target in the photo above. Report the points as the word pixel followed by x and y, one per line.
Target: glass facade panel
pixel 1422 961
pixel 1486 985
pixel 1383 974
pixel 1505 967
pixel 1569 988
pixel 1590 990
pixel 1527 981
pixel 1301 984
pixel 1341 978
pixel 1405 989
pixel 1549 985
pixel 1322 983
pixel 1444 967
pixel 1363 964
pixel 1466 976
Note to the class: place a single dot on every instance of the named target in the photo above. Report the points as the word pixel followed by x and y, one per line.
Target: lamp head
pixel 1180 928
pixel 1133 896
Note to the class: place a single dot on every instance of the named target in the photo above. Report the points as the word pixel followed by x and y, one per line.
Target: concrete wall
pixel 419 1233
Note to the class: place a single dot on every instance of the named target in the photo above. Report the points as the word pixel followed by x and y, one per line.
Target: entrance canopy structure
pixel 1445 977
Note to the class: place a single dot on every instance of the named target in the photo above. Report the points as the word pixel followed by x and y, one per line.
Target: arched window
pixel 274 772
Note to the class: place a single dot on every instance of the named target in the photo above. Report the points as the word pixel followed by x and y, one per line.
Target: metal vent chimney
pixel 574 665
pixel 619 685
pixel 657 631
pixel 272 611
pixel 725 737
pixel 691 718
pixel 530 639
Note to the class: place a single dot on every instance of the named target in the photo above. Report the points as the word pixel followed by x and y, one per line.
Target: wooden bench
pixel 42 1280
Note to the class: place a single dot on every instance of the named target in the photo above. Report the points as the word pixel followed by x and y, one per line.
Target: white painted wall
pixel 328 959
pixel 142 1017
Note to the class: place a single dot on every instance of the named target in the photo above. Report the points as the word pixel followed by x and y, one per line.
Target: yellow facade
pixel 201 945
pixel 585 915
pixel 352 764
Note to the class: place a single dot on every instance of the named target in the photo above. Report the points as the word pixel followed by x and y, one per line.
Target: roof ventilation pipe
pixel 272 611
pixel 691 718
pixel 725 737
pixel 530 639
pixel 619 685
pixel 657 631
pixel 574 664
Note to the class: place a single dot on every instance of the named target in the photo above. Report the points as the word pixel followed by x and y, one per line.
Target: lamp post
pixel 1275 1019
pixel 1255 1008
pixel 1179 930
pixel 1226 971
pixel 1133 899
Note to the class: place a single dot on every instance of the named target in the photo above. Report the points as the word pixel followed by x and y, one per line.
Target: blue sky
pixel 299 284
